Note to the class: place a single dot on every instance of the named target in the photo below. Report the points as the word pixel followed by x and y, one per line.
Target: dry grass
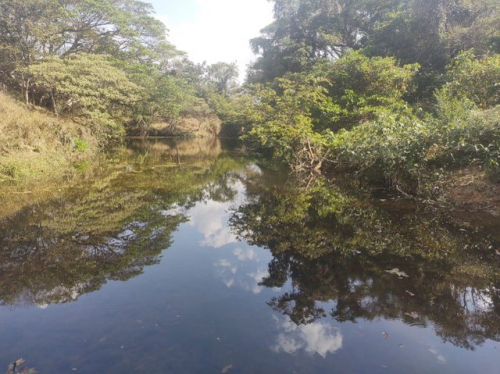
pixel 35 143
pixel 471 189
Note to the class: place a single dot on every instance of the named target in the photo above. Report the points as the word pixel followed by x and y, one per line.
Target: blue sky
pixel 214 30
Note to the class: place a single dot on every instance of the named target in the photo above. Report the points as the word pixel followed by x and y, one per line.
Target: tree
pixel 433 32
pixel 88 86
pixel 307 30
pixel 284 119
pixel 474 79
pixel 31 30
pixel 223 77
pixel 362 87
pixel 428 32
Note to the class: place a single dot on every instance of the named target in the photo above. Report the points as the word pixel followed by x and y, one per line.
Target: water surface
pixel 185 257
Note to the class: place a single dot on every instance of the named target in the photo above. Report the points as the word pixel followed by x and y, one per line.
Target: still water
pixel 187 257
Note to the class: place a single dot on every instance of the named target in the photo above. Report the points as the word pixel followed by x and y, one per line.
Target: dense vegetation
pixel 395 91
pixel 107 65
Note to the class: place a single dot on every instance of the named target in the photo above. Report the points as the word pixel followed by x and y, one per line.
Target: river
pixel 189 257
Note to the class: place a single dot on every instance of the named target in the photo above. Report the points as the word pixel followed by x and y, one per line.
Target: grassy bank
pixel 34 143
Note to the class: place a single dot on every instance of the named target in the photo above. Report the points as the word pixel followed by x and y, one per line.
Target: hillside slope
pixel 35 143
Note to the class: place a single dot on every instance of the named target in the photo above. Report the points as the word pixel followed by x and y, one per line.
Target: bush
pixel 283 119
pixel 361 87
pixel 403 150
pixel 390 148
pixel 473 137
pixel 473 79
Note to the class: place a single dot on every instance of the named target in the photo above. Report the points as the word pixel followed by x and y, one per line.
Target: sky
pixel 214 30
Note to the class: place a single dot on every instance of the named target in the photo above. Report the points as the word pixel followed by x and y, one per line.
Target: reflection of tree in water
pixel 334 248
pixel 110 228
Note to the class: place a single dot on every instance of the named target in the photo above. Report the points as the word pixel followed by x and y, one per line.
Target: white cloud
pixel 220 30
pixel 315 338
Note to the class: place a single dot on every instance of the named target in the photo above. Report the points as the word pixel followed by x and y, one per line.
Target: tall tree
pixel 429 32
pixel 223 77
pixel 31 30
pixel 307 30
pixel 88 86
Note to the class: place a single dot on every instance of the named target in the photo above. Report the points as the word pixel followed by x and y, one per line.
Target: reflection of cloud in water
pixel 226 271
pixel 58 295
pixel 257 278
pixel 245 254
pixel 254 169
pixel 317 337
pixel 250 282
pixel 210 219
pixel 439 357
pixel 173 211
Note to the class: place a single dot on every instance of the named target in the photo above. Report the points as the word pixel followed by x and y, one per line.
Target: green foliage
pixel 34 29
pixel 222 77
pixel 164 97
pixel 294 112
pixel 427 32
pixel 474 136
pixel 362 87
pixel 473 79
pixel 236 113
pixel 283 118
pixel 80 145
pixel 391 147
pixel 306 31
pixel 405 151
pixel 376 65
pixel 87 86
pixel 54 52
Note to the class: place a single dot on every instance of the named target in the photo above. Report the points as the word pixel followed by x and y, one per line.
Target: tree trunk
pixel 53 102
pixel 26 92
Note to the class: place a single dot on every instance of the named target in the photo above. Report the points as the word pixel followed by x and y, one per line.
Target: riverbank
pixel 36 144
pixel 472 190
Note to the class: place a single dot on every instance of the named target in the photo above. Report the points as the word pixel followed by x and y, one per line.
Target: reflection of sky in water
pixel 315 338
pixel 210 219
pixel 248 278
pixel 201 310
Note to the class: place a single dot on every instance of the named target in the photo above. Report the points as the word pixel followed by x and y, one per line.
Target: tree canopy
pixel 428 32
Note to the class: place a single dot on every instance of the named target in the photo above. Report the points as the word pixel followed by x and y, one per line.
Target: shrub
pixel 389 148
pixel 284 122
pixel 473 79
pixel 361 87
